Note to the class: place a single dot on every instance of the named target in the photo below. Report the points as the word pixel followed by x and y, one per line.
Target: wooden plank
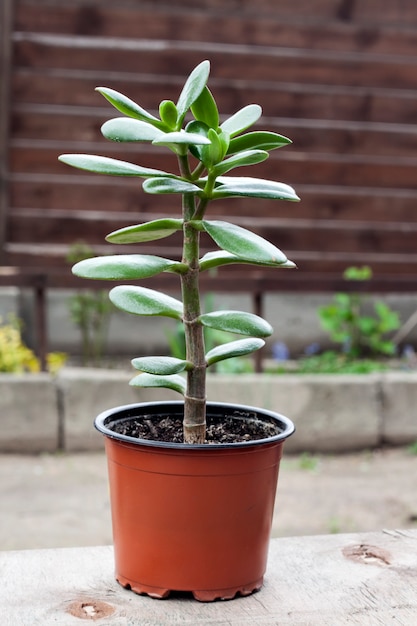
pixel 213 24
pixel 229 61
pixel 82 124
pixel 362 578
pixel 294 167
pixel 284 99
pixel 297 234
pixel 73 193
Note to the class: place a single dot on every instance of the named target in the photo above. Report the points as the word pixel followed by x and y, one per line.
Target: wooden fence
pixel 338 77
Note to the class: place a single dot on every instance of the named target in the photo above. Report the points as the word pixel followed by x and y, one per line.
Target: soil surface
pixel 170 429
pixel 62 500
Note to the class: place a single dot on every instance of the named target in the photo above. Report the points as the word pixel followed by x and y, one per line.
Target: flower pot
pixel 192 518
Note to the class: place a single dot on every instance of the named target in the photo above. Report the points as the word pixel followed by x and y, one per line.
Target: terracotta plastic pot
pixel 192 518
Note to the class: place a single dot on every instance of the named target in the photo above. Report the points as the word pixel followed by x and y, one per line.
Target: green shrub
pixel 348 325
pixel 16 357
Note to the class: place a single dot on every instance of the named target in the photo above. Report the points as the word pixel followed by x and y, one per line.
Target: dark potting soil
pixel 169 429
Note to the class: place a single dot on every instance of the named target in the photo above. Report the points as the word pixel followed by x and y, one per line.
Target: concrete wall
pixel 331 413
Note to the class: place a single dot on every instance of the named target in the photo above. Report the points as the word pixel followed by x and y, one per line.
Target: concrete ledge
pixel 332 413
pixel 85 392
pixel 29 419
pixel 399 407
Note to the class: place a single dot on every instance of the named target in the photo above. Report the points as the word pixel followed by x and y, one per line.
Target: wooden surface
pixel 366 579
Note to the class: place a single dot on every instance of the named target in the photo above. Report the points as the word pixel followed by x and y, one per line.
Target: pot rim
pixel 125 411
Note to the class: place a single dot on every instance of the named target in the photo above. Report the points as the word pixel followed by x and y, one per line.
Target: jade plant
pixel 207 149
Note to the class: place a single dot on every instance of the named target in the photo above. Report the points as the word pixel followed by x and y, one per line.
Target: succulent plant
pixel 207 149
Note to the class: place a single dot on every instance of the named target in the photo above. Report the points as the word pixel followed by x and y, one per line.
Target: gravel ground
pixel 62 500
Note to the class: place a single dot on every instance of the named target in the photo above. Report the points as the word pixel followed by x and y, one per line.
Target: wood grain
pixel 358 579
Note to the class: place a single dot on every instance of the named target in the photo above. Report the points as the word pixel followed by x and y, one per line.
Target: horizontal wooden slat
pixel 353 239
pixel 215 25
pixel 82 124
pixel 311 266
pixel 118 195
pixel 313 11
pixel 229 61
pixel 285 99
pixel 286 164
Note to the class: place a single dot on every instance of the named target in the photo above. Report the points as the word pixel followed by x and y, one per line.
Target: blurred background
pixel 338 77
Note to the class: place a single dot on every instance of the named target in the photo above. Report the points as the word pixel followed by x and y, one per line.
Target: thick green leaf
pixel 160 365
pixel 233 349
pixel 169 185
pixel 168 113
pixel 205 109
pixel 149 231
pixel 181 138
pixel 249 157
pixel 127 129
pixel 128 107
pixel 192 89
pixel 174 382
pixel 215 150
pixel 199 128
pixel 242 119
pixel 258 140
pixel 124 267
pixel 237 322
pixel 142 301
pixel 253 188
pixel 220 257
pixel 243 243
pixel 112 167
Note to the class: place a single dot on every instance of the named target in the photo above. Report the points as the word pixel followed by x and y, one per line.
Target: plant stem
pixel 195 399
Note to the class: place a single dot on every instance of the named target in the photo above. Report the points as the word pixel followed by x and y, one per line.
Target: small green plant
pixel 348 325
pixel 308 462
pixel 412 448
pixel 16 357
pixel 207 149
pixel 90 311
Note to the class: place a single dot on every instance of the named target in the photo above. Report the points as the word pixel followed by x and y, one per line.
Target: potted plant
pixel 192 482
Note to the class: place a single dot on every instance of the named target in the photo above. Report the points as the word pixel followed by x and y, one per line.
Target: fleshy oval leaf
pixel 109 166
pixel 124 267
pixel 220 257
pixel 192 89
pixel 127 106
pixel 229 187
pixel 160 365
pixel 181 138
pixel 143 301
pixel 243 243
pixel 205 109
pixel 126 129
pixel 242 119
pixel 248 157
pixel 174 382
pixel 148 231
pixel 258 140
pixel 168 113
pixel 241 347
pixel 237 322
pixel 169 185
